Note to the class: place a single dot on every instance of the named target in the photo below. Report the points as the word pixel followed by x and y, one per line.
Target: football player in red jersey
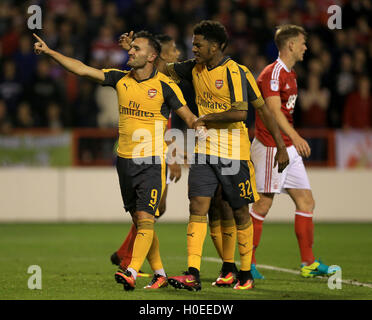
pixel 277 83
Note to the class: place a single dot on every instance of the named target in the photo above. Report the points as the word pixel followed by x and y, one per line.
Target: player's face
pixel 169 52
pixel 299 47
pixel 140 53
pixel 201 49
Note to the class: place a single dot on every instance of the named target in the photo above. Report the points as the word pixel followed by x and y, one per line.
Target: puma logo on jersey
pixel 227 234
pixel 126 87
pixel 191 234
pixel 141 233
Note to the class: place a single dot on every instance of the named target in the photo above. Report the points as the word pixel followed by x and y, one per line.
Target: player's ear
pixel 214 47
pixel 152 57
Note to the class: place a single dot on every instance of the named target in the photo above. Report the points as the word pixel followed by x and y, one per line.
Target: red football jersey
pixel 277 80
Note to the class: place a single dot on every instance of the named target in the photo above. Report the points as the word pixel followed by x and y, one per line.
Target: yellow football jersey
pixel 144 108
pixel 217 90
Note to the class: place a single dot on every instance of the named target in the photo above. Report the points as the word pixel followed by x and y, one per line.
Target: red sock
pixel 257 220
pixel 304 229
pixel 126 249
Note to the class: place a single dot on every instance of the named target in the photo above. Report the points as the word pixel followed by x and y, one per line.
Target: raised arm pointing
pixel 70 64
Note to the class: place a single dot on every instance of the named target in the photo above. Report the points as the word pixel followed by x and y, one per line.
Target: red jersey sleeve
pixel 268 83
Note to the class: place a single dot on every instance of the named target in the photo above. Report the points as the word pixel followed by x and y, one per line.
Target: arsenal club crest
pixel 219 84
pixel 152 93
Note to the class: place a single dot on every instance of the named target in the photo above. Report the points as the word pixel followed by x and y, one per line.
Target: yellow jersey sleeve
pixel 181 70
pixel 237 83
pixel 254 94
pixel 112 77
pixel 173 96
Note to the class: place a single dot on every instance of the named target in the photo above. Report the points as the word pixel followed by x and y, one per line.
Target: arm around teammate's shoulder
pixel 73 65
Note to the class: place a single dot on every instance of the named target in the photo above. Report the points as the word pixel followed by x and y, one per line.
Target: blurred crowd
pixel 334 79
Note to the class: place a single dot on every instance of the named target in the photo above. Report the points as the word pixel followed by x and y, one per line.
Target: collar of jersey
pixel 223 61
pixel 153 74
pixel 283 64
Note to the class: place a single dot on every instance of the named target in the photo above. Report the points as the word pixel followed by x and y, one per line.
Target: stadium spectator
pixel 343 53
pixel 24 118
pixel 49 31
pixel 105 49
pixel 314 102
pixel 5 121
pixel 25 60
pixel 54 116
pixel 107 116
pixel 85 108
pixel 240 34
pixel 42 91
pixel 11 90
pixel 344 83
pixel 358 107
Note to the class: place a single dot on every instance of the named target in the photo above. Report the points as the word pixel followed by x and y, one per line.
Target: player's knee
pixel 141 215
pixel 199 206
pixel 241 215
pixel 227 212
pixel 262 206
pixel 311 205
pixel 306 204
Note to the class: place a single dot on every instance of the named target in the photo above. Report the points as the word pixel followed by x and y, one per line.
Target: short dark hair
pixel 285 32
pixel 212 31
pixel 163 38
pixel 153 42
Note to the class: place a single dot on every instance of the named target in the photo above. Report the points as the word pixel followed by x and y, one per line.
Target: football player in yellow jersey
pixel 145 97
pixel 122 257
pixel 223 89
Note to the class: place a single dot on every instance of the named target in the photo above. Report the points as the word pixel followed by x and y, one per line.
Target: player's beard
pixel 136 63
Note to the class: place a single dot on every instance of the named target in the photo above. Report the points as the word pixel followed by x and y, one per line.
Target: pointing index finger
pixel 37 37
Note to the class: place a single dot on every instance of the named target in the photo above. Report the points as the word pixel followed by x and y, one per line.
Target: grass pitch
pixel 74 259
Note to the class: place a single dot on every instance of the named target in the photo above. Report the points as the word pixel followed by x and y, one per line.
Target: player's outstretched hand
pixel 40 46
pixel 302 147
pixel 281 159
pixel 125 40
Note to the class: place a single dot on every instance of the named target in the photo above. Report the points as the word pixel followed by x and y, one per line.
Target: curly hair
pixel 212 31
